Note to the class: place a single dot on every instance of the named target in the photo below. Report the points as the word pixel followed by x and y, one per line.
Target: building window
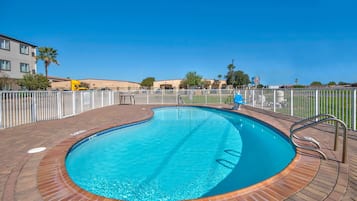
pixel 4 44
pixel 5 65
pixel 24 68
pixel 24 49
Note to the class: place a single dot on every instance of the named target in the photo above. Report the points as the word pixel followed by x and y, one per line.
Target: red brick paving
pixel 42 176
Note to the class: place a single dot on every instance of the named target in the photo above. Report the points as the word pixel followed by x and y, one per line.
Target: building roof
pixel 14 39
pixel 168 80
pixel 109 80
pixel 58 79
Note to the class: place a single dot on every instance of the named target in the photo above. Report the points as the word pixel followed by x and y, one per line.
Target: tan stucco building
pixel 111 84
pixel 97 84
pixel 168 84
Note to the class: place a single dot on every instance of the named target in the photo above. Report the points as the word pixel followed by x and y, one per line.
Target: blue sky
pixel 277 40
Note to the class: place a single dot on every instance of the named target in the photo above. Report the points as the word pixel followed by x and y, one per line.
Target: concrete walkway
pixel 19 170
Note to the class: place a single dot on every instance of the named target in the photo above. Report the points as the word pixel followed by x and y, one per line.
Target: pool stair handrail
pixel 315 145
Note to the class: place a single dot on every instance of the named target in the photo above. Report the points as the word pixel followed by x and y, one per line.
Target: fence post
pixel 253 100
pixel 262 99
pixel 93 104
pixel 81 93
pixel 59 105
pixel 112 93
pixel 245 96
pixel 1 94
pixel 102 98
pixel 292 102
pixel 74 102
pixel 220 95
pixel 274 100
pixel 316 102
pixel 354 109
pixel 34 107
pixel 147 96
pixel 162 96
pixel 205 90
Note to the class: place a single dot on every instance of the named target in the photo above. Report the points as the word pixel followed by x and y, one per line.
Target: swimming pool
pixel 181 153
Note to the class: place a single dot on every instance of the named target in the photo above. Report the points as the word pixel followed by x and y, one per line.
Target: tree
pixel 316 84
pixel 231 67
pixel 240 79
pixel 4 80
pixel 148 82
pixel 192 80
pixel 236 78
pixel 343 83
pixel 47 55
pixel 332 83
pixel 230 75
pixel 34 82
pixel 260 86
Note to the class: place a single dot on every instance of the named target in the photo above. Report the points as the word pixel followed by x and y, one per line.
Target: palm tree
pixel 231 67
pixel 230 74
pixel 47 55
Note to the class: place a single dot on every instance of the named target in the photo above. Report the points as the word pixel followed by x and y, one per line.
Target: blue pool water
pixel 181 153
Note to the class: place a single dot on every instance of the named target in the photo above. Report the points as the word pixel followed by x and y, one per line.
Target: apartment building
pixel 17 58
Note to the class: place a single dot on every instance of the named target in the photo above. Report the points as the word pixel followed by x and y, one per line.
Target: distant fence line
pixel 22 107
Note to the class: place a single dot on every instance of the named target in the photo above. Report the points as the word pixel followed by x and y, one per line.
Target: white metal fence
pixel 23 107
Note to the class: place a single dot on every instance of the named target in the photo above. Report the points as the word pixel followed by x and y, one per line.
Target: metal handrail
pixel 318 119
pixel 312 118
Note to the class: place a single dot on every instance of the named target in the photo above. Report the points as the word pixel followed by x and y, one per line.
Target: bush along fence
pixel 22 107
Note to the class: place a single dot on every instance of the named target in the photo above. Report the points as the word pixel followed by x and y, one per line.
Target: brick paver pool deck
pixel 41 176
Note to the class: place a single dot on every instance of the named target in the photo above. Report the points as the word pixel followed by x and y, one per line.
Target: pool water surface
pixel 181 153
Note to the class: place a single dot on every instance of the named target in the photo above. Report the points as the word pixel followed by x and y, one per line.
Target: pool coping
pixel 54 182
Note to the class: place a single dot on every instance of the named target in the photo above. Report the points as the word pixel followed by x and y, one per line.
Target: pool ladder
pixel 314 144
